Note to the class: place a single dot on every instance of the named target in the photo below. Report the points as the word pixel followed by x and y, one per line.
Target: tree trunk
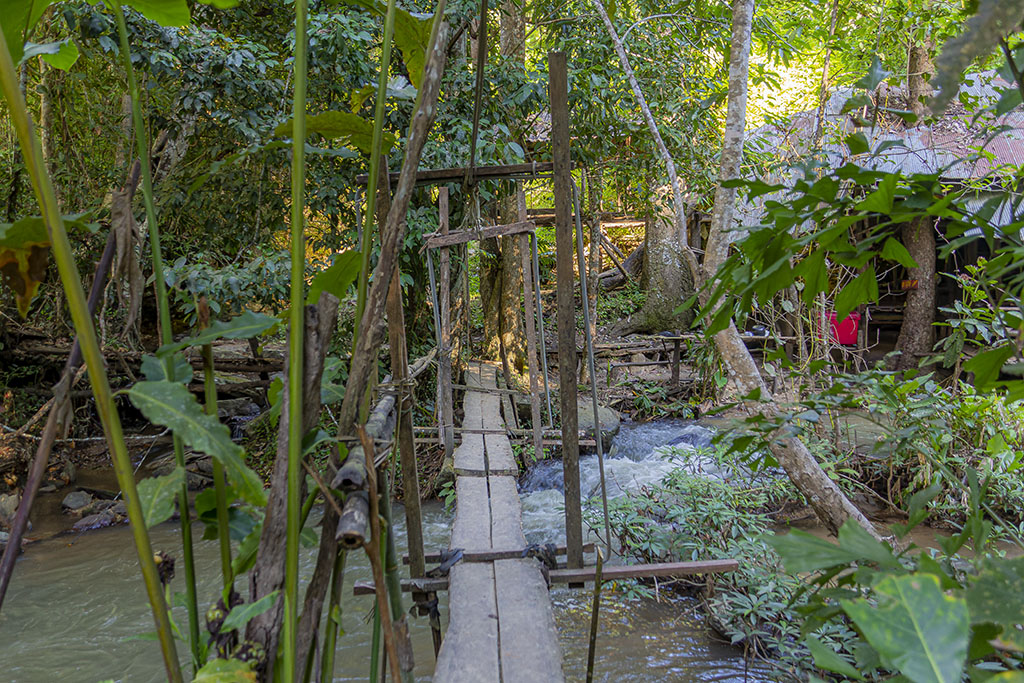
pixel 917 332
pixel 919 66
pixel 832 507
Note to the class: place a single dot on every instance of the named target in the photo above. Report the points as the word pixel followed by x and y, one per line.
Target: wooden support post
pixel 676 357
pixel 529 303
pixel 558 91
pixel 406 440
pixel 444 358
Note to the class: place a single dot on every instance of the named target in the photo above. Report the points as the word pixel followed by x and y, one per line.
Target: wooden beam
pixel 457 174
pixel 583 574
pixel 558 91
pixel 436 239
pixel 491 555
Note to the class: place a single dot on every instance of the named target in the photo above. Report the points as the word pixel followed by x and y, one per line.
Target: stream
pixel 76 603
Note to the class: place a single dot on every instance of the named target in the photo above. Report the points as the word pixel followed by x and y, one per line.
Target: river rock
pixel 607 418
pixel 97 521
pixel 8 506
pixel 76 501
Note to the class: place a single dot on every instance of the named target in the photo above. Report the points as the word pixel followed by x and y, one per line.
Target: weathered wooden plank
pixel 634 571
pixel 435 240
pixel 458 174
pixel 506 514
pixel 500 458
pixel 472 527
pixel 469 652
pixel 558 91
pixel 526 626
pixel 491 555
pixel 469 455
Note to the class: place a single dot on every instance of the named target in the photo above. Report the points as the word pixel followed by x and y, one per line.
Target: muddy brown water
pixel 76 604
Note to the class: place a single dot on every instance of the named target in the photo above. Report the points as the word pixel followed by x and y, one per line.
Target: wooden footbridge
pixel 501 626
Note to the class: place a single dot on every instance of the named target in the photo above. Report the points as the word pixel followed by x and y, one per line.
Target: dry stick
pixel 670 166
pixel 42 456
pixel 364 360
pixel 373 551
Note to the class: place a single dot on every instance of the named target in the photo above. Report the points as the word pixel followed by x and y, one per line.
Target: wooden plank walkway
pixel 501 627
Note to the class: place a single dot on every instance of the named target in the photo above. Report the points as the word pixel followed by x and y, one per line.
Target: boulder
pixel 607 418
pixel 76 501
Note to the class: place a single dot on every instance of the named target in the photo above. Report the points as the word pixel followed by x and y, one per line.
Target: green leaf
pixel 921 630
pixel 245 558
pixel 225 671
pixel 172 405
pixel 244 326
pixel 221 4
pixel 242 614
pixel 996 594
pixel 862 289
pixel 812 270
pixel 827 659
pixel 987 364
pixel 155 370
pixel 875 75
pixel 60 55
pixel 801 552
pixel 337 278
pixel 894 251
pixel 17 20
pixel 163 12
pixel 857 143
pixel 412 35
pixel 881 200
pixel 157 496
pixel 856 540
pixel 350 129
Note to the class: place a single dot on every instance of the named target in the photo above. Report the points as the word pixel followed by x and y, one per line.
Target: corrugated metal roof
pixel 965 143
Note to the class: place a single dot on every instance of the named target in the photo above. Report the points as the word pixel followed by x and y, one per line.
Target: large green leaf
pixel 917 627
pixel 163 12
pixel 996 594
pixel 172 405
pixel 894 251
pixel 243 326
pixel 412 36
pixel 826 658
pixel 881 200
pixel 987 364
pixel 351 130
pixel 157 495
pixel 801 552
pixel 861 290
pixel 17 20
pixel 60 55
pixel 242 614
pixel 337 278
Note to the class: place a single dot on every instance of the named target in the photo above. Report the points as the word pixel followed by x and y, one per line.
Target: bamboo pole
pixel 540 330
pixel 444 358
pixel 529 303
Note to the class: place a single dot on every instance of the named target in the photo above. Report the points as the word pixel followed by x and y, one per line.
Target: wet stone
pixel 76 501
pixel 8 506
pixel 607 418
pixel 97 521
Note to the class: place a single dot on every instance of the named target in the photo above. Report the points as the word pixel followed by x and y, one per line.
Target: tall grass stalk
pixel 164 312
pixel 295 345
pixel 91 352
